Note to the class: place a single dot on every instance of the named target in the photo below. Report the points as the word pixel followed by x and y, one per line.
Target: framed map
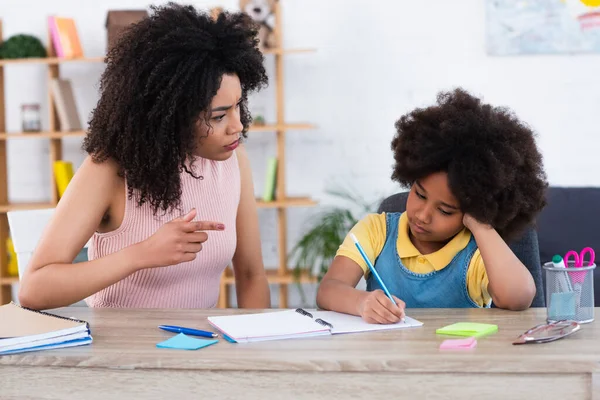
pixel 515 27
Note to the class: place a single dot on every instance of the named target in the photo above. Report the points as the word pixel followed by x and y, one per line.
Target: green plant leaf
pixel 316 249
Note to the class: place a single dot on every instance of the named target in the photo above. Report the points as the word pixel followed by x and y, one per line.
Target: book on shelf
pixel 270 180
pixel 13 268
pixel 117 21
pixel 65 39
pixel 63 173
pixel 66 108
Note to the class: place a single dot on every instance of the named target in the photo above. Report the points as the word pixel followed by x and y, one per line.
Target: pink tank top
pixel 193 284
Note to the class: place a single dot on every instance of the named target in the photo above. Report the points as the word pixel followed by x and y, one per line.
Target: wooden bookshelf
pixel 4 208
pixel 9 280
pixel 50 60
pixel 287 202
pixel 54 135
pixel 281 52
pixel 275 277
pixel 57 60
pixel 40 135
pixel 281 275
pixel 5 284
pixel 63 135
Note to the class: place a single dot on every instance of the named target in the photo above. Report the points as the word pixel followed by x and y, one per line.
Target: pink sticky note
pixel 459 344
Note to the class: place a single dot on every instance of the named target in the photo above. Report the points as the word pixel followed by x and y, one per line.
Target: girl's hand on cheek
pixel 473 225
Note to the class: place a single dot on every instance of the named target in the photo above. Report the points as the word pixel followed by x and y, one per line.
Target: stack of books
pixel 66 44
pixel 23 330
pixel 63 173
pixel 65 39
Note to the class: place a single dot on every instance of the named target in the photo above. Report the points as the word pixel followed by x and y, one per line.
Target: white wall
pixel 375 61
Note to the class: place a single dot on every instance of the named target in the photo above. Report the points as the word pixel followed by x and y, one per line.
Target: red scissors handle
pixel 592 254
pixel 575 256
pixel 579 257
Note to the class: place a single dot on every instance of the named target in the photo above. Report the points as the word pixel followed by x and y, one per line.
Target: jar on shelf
pixel 258 115
pixel 30 118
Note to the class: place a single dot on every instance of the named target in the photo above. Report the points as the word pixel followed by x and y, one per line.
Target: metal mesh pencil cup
pixel 570 292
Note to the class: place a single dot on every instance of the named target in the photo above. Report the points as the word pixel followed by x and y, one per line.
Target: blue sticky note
pixel 184 342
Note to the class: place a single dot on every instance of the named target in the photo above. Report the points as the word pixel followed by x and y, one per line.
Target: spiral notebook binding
pixel 303 312
pixel 53 315
pixel 324 323
pixel 319 321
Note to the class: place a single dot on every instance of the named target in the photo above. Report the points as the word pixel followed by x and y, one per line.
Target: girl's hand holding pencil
pixel 376 308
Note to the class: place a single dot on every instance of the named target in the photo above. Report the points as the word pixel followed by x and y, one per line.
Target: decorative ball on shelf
pixel 22 46
pixel 263 14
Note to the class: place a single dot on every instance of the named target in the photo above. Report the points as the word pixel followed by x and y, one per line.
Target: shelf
pixel 286 127
pixel 24 206
pixel 288 202
pixel 62 135
pixel 49 60
pixel 274 278
pixel 288 51
pixel 41 135
pixel 58 60
pixel 9 280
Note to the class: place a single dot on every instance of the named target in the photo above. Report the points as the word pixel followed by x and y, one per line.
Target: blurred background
pixel 368 63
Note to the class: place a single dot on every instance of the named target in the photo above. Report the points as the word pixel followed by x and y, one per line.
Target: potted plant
pixel 315 250
pixel 22 46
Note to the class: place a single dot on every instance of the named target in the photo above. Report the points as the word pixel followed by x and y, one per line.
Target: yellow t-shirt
pixel 371 233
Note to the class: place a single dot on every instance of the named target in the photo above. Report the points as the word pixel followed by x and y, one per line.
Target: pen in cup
pixel 373 270
pixel 564 281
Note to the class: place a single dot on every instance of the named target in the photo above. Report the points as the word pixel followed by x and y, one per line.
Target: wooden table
pixel 123 362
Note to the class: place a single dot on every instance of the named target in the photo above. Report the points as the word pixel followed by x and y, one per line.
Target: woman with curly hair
pixel 165 194
pixel 476 179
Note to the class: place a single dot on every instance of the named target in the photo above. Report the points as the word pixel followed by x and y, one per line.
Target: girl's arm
pixel 252 288
pixel 510 283
pixel 51 280
pixel 337 292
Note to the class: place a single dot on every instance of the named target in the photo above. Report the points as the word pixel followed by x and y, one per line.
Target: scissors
pixel 579 277
pixel 579 257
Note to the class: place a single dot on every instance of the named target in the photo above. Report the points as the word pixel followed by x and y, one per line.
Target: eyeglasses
pixel 550 332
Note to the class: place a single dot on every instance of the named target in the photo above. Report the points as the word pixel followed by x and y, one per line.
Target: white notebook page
pixel 268 326
pixel 344 323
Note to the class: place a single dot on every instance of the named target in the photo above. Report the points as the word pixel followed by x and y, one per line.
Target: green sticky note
pixel 184 342
pixel 474 329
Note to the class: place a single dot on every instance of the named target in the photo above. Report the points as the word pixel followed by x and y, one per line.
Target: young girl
pixel 166 193
pixel 476 178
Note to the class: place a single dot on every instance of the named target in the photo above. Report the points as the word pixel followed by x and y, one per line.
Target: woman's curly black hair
pixel 160 78
pixel 494 167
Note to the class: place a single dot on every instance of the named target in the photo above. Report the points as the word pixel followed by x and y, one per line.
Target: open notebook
pixel 299 323
pixel 22 330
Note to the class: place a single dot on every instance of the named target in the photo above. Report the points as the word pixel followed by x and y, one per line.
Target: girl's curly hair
pixel 159 81
pixel 494 167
